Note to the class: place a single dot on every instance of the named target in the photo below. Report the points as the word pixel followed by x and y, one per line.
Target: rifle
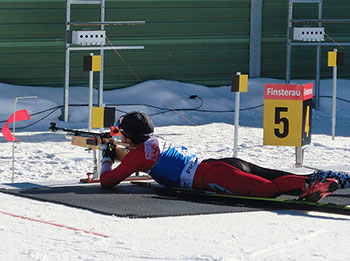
pixel 91 140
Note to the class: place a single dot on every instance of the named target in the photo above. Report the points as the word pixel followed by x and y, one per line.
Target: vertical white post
pixel 334 98
pixel 13 140
pixel 236 123
pixel 100 89
pixel 91 98
pixel 95 175
pixel 235 141
pixel 91 93
pixel 299 157
pixel 14 133
pixel 255 38
pixel 66 65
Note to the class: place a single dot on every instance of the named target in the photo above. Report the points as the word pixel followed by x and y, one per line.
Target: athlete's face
pixel 124 138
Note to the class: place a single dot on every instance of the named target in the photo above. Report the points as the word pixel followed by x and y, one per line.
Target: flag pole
pixel 14 132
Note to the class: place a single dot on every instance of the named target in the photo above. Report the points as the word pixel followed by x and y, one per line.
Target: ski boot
pixel 318 189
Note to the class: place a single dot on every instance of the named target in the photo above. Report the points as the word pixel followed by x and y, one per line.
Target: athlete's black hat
pixel 137 126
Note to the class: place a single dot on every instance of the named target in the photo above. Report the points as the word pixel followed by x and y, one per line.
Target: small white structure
pixel 97 37
pixel 308 34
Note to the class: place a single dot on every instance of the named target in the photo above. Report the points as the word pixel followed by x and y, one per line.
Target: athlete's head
pixel 137 126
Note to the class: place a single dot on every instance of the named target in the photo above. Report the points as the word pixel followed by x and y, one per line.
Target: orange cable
pixel 334 41
pixel 131 70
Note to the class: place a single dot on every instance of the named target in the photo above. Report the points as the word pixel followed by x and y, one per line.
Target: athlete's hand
pixel 108 151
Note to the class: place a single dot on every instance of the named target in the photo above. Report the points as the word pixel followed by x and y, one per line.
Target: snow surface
pixel 34 230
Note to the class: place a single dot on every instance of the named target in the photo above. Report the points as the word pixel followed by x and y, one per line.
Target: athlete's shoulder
pixel 152 148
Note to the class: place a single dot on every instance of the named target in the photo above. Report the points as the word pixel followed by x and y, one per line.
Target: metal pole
pixel 91 93
pixel 100 89
pixel 235 143
pixel 255 39
pixel 298 157
pixel 317 80
pixel 289 47
pixel 66 65
pixel 318 63
pixel 66 87
pixel 14 133
pixel 98 157
pixel 91 97
pixel 13 140
pixel 334 98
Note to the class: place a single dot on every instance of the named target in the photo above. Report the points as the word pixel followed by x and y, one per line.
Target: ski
pixel 259 202
pixel 131 178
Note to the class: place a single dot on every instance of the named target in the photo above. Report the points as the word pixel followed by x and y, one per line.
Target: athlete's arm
pixel 134 161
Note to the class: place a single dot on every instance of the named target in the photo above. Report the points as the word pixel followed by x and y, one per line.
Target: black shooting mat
pixel 128 200
pixel 125 200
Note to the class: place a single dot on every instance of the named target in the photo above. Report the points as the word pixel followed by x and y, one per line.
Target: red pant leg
pixel 220 174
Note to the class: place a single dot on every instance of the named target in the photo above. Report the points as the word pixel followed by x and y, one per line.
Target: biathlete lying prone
pixel 175 166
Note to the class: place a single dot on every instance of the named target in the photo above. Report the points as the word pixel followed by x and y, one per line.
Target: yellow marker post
pixel 243 83
pixel 97 117
pixel 287 115
pixel 96 63
pixel 92 63
pixel 239 84
pixel 332 59
pixel 102 117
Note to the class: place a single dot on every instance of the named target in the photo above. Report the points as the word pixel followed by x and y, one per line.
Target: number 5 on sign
pixel 287 114
pixel 283 120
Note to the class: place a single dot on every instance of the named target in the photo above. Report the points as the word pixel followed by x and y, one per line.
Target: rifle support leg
pixel 95 172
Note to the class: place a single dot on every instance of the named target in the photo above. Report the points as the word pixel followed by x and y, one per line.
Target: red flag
pixel 19 116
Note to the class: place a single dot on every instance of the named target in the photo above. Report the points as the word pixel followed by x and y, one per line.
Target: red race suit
pixel 171 165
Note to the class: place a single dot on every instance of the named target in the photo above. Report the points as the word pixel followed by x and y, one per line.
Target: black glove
pixel 108 151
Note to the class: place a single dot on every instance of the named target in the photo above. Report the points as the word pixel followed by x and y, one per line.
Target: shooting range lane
pixel 128 200
pixel 124 200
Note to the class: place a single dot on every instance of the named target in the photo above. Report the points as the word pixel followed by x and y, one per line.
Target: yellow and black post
pixel 335 59
pixel 103 117
pixel 92 63
pixel 239 84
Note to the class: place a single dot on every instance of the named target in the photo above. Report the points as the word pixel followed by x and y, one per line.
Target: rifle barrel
pixel 54 128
